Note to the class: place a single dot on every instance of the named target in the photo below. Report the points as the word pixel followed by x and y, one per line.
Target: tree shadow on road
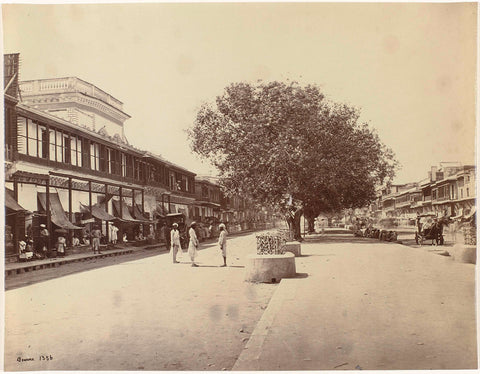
pixel 315 255
pixel 329 239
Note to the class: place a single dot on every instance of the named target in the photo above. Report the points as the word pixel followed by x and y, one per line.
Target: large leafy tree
pixel 277 141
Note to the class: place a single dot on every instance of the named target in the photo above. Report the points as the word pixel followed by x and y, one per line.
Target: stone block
pixel 294 247
pixel 270 268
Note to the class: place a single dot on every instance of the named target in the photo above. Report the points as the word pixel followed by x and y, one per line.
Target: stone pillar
pixel 294 247
pixel 270 268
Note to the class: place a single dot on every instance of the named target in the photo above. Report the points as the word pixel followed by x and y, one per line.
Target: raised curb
pixel 249 358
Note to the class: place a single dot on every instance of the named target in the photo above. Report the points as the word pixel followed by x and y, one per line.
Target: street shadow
pixel 314 255
pixel 209 266
pixel 329 239
pixel 301 275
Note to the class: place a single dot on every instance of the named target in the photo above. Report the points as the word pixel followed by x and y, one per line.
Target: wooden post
pixel 90 208
pixel 90 196
pixel 121 202
pixel 16 235
pixel 70 232
pixel 15 188
pixel 120 211
pixel 106 209
pixel 169 206
pixel 47 210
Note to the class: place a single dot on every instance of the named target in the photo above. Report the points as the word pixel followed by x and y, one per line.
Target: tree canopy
pixel 273 140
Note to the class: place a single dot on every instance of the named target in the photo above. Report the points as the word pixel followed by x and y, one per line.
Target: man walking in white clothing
pixel 175 242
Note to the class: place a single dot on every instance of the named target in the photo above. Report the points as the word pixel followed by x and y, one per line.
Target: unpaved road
pixel 144 314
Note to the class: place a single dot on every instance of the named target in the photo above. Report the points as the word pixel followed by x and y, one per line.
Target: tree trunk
pixel 296 225
pixel 310 223
pixel 291 230
pixel 310 213
pixel 293 220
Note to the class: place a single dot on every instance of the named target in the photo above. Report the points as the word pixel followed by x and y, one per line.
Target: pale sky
pixel 410 67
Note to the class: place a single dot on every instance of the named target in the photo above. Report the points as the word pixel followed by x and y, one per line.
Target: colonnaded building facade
pixel 68 165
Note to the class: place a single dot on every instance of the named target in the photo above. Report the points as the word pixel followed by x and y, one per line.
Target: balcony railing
pixel 70 84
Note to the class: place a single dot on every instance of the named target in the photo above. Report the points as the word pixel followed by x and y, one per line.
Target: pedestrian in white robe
pixel 193 244
pixel 222 242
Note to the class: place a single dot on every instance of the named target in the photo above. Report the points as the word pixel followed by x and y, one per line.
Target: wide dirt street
pixel 356 304
pixel 143 314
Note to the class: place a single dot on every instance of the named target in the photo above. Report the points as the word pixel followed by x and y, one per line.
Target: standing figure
pixel 61 243
pixel 175 242
pixel 193 244
pixel 44 237
pixel 96 235
pixel 222 242
pixel 114 235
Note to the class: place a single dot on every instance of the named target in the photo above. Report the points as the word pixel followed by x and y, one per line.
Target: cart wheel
pixel 421 240
pixel 441 241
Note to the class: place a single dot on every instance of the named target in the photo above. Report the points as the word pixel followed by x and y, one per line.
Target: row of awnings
pixel 59 217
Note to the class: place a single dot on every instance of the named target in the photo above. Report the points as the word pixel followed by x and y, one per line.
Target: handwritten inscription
pixel 40 358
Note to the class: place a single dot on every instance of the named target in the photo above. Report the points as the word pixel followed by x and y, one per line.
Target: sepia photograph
pixel 275 186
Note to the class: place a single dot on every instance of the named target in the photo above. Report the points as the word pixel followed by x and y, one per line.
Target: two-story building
pixel 69 165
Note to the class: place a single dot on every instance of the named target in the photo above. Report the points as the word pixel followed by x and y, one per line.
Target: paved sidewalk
pixel 362 304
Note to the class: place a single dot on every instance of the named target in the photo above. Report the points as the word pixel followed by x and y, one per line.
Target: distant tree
pixel 279 142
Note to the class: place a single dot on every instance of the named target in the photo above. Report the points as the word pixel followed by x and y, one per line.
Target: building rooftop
pixel 67 85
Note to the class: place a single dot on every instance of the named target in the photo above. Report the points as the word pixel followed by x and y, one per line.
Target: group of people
pixel 193 244
pixel 41 249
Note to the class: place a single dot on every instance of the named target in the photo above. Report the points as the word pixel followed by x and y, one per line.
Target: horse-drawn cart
pixel 429 227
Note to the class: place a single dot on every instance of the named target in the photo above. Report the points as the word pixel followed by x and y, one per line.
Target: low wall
pixel 270 268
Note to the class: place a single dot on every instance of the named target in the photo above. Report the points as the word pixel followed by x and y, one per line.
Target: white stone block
pixel 270 268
